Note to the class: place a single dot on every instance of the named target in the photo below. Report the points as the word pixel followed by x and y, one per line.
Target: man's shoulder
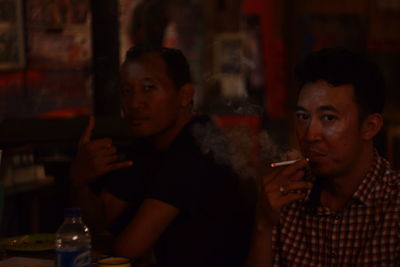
pixel 393 188
pixel 200 139
pixel 390 194
pixel 384 179
pixel 387 193
pixel 199 151
pixel 391 181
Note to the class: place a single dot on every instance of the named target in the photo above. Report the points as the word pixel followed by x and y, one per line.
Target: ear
pixel 372 124
pixel 186 93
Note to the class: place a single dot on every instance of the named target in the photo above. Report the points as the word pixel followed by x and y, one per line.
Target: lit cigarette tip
pixel 283 163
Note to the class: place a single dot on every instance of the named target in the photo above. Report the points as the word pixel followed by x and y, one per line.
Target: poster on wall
pixel 57 13
pixel 59 34
pixel 125 8
pixel 56 80
pixel 59 41
pixel 12 55
pixel 228 64
pixel 70 49
pixel 239 69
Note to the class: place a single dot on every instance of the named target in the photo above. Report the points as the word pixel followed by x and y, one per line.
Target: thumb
pixel 85 138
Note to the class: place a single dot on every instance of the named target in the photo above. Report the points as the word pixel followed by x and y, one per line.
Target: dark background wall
pixel 72 51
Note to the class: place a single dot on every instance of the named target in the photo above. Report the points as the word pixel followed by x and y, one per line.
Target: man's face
pixel 328 128
pixel 149 99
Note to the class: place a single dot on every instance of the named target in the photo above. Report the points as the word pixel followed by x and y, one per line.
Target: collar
pixel 365 193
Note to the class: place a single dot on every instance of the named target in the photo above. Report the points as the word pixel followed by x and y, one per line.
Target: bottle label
pixel 73 258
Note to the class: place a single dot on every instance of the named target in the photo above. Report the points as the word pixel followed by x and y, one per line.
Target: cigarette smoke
pixel 248 154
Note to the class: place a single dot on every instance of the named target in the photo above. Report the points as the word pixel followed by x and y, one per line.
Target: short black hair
pixel 339 66
pixel 178 68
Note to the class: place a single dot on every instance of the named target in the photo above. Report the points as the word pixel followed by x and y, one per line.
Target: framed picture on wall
pixel 228 64
pixel 12 48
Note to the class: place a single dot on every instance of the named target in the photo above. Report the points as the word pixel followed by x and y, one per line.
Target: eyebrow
pixel 321 108
pixel 328 108
pixel 300 108
pixel 147 79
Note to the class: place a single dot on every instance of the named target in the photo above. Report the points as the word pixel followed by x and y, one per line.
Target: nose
pixel 134 101
pixel 313 131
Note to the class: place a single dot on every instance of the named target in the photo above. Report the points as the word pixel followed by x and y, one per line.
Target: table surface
pixel 101 247
pixel 25 261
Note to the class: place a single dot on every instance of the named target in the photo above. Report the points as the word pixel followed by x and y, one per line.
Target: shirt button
pixel 333 255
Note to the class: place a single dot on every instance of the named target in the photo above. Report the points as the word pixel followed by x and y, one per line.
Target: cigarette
pixel 283 163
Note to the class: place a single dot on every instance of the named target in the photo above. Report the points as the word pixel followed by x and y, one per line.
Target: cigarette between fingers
pixel 283 163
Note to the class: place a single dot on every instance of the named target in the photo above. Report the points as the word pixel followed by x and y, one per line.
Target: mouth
pixel 315 155
pixel 137 121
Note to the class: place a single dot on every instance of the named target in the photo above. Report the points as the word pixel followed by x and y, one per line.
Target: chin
pixel 144 132
pixel 139 132
pixel 319 170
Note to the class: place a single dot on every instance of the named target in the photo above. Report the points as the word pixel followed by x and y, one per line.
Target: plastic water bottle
pixel 73 242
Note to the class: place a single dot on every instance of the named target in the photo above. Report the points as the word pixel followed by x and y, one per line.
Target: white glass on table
pixel 113 261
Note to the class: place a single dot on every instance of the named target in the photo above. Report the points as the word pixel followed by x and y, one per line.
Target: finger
pixel 87 133
pixel 270 177
pixel 297 176
pixel 293 170
pixel 101 160
pixel 118 165
pixel 298 185
pixel 99 144
pixel 289 198
pixel 107 159
pixel 101 166
pixel 109 151
pixel 287 187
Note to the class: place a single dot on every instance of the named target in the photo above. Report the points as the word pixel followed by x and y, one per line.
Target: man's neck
pixel 336 192
pixel 163 141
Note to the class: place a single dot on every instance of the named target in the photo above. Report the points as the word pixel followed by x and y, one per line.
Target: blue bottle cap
pixel 72 212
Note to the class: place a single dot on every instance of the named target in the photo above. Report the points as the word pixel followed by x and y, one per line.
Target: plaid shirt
pixel 365 233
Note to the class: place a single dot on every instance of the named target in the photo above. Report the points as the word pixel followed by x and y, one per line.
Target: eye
pixel 302 116
pixel 148 87
pixel 126 90
pixel 329 117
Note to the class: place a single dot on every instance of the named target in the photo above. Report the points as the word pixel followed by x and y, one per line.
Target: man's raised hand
pixel 95 158
pixel 280 187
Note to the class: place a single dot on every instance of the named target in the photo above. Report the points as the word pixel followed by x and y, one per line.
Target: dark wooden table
pixel 101 247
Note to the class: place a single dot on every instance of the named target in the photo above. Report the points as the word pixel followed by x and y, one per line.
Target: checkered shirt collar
pixel 366 191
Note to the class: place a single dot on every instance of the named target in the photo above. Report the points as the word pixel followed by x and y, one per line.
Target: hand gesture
pixel 279 188
pixel 94 158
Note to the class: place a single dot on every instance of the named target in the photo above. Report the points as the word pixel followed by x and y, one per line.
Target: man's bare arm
pixel 260 254
pixel 277 189
pixel 146 227
pixel 98 211
pixel 94 159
